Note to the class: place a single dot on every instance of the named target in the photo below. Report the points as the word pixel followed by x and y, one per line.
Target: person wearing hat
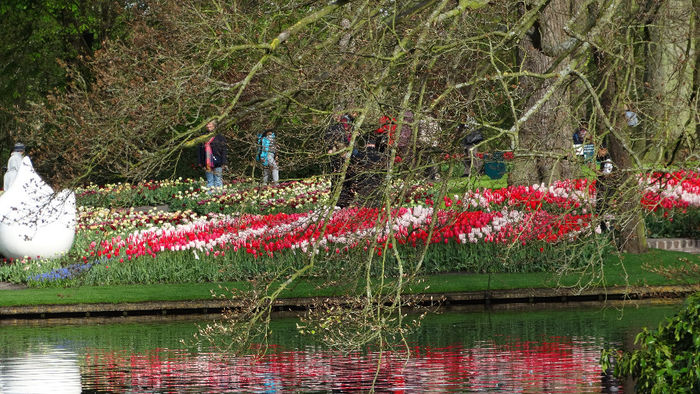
pixel 13 165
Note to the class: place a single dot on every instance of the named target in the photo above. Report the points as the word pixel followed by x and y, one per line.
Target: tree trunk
pixel 548 131
pixel 670 64
pixel 626 196
pixel 626 208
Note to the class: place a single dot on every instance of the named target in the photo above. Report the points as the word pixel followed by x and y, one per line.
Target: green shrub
pixel 674 224
pixel 668 360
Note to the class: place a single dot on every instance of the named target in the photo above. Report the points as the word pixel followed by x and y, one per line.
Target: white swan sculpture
pixel 34 221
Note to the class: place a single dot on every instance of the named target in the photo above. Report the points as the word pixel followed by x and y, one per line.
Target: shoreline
pixel 19 302
pixel 503 299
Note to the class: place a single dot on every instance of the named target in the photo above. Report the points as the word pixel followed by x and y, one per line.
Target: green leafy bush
pixel 668 360
pixel 674 224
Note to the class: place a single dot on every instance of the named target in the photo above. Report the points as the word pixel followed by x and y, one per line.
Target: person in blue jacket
pixel 268 157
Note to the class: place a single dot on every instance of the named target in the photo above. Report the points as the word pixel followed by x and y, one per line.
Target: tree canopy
pixel 40 39
pixel 525 74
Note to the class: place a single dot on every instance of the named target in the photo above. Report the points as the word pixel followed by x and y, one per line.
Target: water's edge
pixel 502 299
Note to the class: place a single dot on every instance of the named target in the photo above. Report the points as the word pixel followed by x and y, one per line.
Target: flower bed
pixel 514 229
pixel 673 198
pixel 127 195
pixel 290 196
pixel 227 247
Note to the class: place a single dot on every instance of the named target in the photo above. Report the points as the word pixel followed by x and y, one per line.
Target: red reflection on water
pixel 567 366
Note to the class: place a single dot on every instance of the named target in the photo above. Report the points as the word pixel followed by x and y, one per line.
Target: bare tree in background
pixel 507 67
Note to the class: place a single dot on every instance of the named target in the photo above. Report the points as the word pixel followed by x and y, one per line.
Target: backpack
pixel 218 151
pixel 336 135
pixel 259 153
pixel 265 146
pixel 473 138
pixel 217 144
pixel 217 160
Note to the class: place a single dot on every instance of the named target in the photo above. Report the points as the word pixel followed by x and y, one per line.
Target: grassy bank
pixel 632 269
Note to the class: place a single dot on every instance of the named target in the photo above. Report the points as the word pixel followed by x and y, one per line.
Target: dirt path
pixel 11 286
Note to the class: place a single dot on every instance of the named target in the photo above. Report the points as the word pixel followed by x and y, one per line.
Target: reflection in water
pixel 517 367
pixel 525 351
pixel 46 370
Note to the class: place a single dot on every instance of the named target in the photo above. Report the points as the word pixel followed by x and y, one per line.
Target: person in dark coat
pixel 470 138
pixel 212 157
pixel 337 138
pixel 365 176
pixel 580 134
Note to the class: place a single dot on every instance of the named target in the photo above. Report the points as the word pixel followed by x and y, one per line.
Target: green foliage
pixel 39 39
pixel 674 224
pixel 668 360
pixel 485 257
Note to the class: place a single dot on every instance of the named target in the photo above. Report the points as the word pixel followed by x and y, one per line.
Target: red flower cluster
pixel 669 190
pixel 265 235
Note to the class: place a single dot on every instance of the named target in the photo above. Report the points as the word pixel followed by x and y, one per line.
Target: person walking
pixel 268 157
pixel 470 138
pixel 336 139
pixel 212 156
pixel 13 165
pixel 604 186
pixel 365 175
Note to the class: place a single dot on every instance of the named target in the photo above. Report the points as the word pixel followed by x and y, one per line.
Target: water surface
pixel 522 351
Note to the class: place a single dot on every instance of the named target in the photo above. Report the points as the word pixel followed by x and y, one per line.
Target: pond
pixel 526 350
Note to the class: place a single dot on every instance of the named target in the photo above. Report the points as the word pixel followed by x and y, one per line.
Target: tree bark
pixel 626 208
pixel 626 194
pixel 670 64
pixel 549 130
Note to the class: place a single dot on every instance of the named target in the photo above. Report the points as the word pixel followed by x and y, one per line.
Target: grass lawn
pixel 632 273
pixel 614 275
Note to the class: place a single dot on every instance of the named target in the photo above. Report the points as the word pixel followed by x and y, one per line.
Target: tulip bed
pixel 673 199
pixel 244 231
pixel 239 195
